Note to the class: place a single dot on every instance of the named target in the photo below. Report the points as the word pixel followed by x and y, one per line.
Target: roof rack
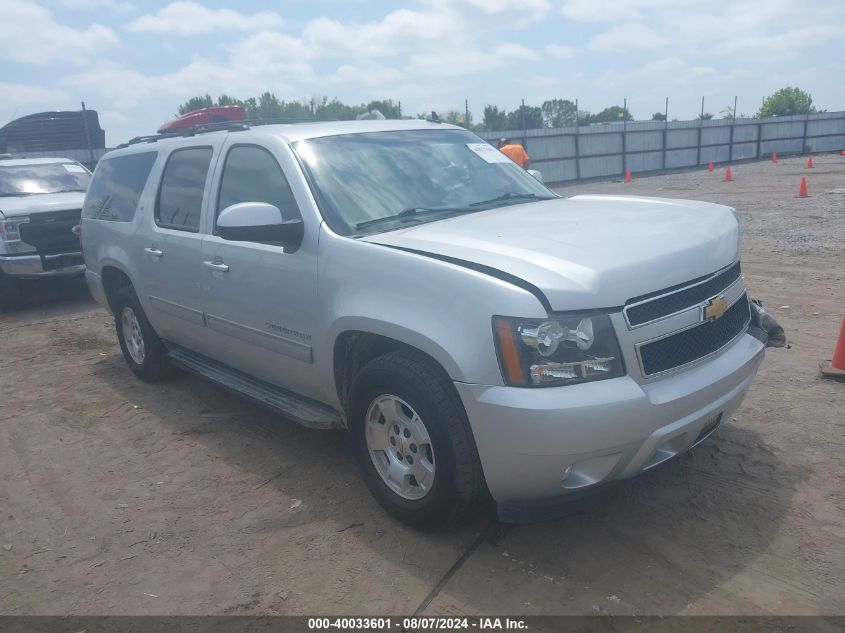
pixel 228 126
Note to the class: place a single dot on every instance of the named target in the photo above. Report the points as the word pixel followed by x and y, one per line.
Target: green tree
pixel 787 101
pixel 559 113
pixel 658 116
pixel 227 100
pixel 611 114
pixel 333 110
pixel 196 103
pixel 389 108
pixel 533 118
pixel 494 119
pixel 704 117
pixel 269 107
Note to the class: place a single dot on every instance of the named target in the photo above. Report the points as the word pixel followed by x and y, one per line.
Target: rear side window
pixel 251 174
pixel 116 188
pixel 180 196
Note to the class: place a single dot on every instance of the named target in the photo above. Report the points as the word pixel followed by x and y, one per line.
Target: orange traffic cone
pixel 728 176
pixel 627 175
pixel 835 368
pixel 710 166
pixel 802 190
pixel 810 162
pixel 774 157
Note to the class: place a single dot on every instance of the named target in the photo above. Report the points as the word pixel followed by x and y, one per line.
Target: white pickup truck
pixel 40 204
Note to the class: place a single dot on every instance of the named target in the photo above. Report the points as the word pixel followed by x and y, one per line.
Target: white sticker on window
pixel 74 169
pixel 488 153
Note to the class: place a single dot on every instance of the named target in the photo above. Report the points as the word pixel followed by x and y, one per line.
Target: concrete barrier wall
pixel 647 146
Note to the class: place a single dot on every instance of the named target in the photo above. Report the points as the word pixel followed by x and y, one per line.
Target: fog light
pixel 566 472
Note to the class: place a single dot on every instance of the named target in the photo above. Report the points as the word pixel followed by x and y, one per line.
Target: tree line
pixel 553 113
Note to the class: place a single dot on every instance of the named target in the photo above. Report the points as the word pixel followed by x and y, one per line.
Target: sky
pixel 135 61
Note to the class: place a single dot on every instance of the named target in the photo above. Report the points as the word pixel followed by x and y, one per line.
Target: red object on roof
pixel 204 116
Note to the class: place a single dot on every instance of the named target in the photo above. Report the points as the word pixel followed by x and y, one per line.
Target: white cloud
pixel 560 52
pixel 612 10
pixel 630 36
pixel 399 31
pixel 191 18
pixel 539 81
pixel 115 6
pixel 123 88
pixel 30 35
pixel 515 13
pixel 19 99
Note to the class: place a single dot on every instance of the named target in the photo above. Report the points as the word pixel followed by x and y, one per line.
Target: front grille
pixel 52 232
pixel 671 303
pixel 697 342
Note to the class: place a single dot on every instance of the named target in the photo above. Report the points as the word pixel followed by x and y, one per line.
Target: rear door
pixel 262 300
pixel 170 246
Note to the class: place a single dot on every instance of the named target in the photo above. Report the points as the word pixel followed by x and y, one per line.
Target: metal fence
pixel 596 151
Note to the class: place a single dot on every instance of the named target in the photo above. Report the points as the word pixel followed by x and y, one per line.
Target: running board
pixel 300 409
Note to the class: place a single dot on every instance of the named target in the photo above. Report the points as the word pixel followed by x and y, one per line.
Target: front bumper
pixel 605 430
pixel 39 266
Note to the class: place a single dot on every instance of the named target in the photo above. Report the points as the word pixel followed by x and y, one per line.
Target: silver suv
pixel 476 334
pixel 40 204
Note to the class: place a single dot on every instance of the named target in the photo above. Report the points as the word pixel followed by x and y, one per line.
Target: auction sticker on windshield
pixel 488 153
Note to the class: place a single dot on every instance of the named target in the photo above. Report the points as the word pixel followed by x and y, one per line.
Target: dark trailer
pixel 53 132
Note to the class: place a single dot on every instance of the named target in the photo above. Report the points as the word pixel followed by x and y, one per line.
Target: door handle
pixel 218 266
pixel 155 252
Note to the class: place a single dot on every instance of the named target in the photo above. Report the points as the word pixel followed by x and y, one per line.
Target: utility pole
pixel 624 134
pixel 700 124
pixel 665 127
pixel 731 141
pixel 87 136
pixel 577 138
pixel 522 111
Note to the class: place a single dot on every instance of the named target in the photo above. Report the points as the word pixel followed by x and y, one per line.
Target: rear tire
pixel 11 293
pixel 142 348
pixel 427 474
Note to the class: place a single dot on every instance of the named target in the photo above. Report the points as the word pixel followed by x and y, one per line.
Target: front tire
pixel 11 293
pixel 413 441
pixel 142 348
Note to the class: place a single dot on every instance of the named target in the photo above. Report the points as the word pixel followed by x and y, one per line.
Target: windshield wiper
pixel 511 195
pixel 413 213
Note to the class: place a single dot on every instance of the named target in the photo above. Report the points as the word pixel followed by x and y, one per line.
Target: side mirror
pixel 259 222
pixel 537 175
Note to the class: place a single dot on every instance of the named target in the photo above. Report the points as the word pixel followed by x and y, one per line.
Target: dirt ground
pixel 122 497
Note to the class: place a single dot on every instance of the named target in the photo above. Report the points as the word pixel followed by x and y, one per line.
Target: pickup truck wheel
pixel 11 294
pixel 142 348
pixel 413 441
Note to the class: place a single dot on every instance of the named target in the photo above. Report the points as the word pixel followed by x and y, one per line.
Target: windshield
pixel 25 180
pixel 361 179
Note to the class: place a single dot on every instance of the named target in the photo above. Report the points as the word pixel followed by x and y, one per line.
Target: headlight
pixel 557 351
pixel 10 230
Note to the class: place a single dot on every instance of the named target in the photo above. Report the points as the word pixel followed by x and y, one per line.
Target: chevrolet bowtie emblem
pixel 714 309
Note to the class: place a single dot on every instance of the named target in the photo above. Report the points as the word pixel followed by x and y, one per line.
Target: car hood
pixel 586 251
pixel 14 206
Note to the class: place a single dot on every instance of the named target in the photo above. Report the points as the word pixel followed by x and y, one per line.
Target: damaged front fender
pixel 765 327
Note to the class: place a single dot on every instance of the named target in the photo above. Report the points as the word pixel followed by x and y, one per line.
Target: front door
pixel 260 308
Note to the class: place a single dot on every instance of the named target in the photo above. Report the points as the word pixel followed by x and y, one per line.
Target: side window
pixel 116 188
pixel 251 174
pixel 182 186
